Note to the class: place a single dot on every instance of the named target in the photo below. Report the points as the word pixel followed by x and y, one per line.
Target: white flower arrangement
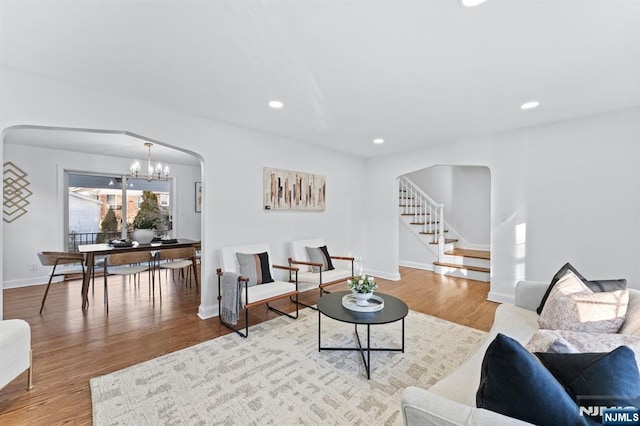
pixel 362 284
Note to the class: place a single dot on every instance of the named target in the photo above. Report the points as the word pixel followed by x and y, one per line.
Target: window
pixel 114 202
pixel 91 197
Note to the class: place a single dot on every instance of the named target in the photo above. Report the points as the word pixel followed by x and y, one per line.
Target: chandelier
pixel 157 172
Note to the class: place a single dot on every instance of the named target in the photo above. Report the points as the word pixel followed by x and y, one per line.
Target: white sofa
pixel 452 400
pixel 15 351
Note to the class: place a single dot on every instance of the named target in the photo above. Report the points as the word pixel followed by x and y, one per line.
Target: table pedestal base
pixel 366 361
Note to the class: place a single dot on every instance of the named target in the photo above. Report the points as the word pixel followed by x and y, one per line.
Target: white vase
pixel 362 299
pixel 143 236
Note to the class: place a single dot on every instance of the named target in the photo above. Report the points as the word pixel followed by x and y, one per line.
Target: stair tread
pixel 471 268
pixel 446 241
pixel 423 223
pixel 477 254
pixel 432 232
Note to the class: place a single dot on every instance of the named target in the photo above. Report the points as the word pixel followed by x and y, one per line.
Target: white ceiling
pixel 414 72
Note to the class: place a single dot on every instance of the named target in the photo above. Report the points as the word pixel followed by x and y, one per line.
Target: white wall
pixel 574 185
pixel 413 252
pixel 42 228
pixel 436 182
pixel 232 161
pixel 562 192
pixel 471 205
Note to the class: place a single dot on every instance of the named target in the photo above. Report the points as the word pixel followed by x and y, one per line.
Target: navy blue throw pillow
pixel 514 383
pixel 597 379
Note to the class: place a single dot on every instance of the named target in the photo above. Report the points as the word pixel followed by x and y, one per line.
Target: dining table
pixel 90 251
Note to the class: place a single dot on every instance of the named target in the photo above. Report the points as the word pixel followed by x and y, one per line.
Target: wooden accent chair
pixel 250 293
pixel 177 259
pixel 322 278
pixel 57 258
pixel 126 264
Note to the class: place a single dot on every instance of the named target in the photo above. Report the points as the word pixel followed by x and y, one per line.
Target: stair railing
pixel 423 211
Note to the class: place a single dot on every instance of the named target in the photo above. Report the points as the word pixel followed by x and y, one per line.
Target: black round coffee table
pixel 331 306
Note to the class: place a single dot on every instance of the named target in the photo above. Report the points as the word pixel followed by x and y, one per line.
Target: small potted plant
pixel 362 287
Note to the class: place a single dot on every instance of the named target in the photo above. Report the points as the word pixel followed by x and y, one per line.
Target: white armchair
pixel 15 351
pixel 252 294
pixel 308 279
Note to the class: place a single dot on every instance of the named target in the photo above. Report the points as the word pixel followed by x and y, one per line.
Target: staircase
pixel 425 218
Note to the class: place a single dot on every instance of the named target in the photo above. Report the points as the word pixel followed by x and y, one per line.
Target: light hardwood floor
pixel 71 346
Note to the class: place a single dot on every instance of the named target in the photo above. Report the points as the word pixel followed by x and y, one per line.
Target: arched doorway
pixel 465 194
pixel 44 154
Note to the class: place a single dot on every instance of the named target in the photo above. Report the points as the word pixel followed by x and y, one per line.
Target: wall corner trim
pixel 206 312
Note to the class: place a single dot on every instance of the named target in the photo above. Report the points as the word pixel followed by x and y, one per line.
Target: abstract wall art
pixel 16 192
pixel 291 190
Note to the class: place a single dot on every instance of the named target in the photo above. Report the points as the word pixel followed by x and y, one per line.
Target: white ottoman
pixel 15 351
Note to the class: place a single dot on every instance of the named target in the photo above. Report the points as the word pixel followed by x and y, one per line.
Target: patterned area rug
pixel 277 376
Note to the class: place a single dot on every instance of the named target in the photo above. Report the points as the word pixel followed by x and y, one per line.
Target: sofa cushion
pixel 550 341
pixel 572 305
pixel 631 323
pixel 597 379
pixel 597 286
pixel 319 255
pixel 514 383
pixel 255 266
pixel 583 342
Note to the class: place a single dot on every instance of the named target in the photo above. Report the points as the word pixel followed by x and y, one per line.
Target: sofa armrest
pixel 423 408
pixel 529 294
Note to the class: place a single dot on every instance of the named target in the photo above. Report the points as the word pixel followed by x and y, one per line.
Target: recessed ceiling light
pixel 529 105
pixel 471 3
pixel 378 141
pixel 276 104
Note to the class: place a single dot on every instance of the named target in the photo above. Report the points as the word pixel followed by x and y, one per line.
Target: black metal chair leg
pixel 284 313
pixel 232 328
pixel 303 304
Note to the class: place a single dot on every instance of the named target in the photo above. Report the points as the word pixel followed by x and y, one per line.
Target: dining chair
pixel 57 258
pixel 130 264
pixel 177 259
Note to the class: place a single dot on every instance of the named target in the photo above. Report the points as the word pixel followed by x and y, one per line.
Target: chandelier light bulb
pixel 135 168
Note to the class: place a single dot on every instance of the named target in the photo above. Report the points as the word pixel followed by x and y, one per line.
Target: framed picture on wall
pixel 291 190
pixel 198 197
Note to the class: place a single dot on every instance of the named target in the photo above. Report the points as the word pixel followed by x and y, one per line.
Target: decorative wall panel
pixel 290 190
pixel 15 192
